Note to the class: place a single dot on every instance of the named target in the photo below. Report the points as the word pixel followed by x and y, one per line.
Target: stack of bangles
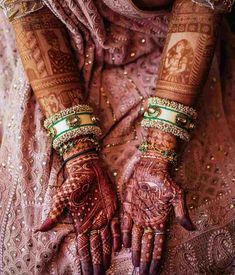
pixel 171 117
pixel 72 126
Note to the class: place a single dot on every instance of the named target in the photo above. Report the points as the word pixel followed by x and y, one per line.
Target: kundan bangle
pixel 169 116
pixel 168 154
pixel 15 9
pixel 66 147
pixel 71 123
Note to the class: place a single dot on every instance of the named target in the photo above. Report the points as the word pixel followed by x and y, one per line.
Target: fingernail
pixel 126 238
pixel 155 267
pixel 187 224
pixel 136 258
pixel 144 268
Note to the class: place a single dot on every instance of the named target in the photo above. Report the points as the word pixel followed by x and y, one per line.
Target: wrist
pixel 78 146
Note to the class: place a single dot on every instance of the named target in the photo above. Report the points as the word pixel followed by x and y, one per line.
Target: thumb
pixel 60 201
pixel 48 224
pixel 181 212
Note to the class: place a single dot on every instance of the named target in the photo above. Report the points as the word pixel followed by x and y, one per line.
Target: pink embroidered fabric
pixel 118 49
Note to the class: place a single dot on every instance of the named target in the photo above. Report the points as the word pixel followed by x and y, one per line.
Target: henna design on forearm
pixel 49 62
pixel 188 52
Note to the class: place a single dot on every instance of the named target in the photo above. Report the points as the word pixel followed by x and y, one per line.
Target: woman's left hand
pixel 148 199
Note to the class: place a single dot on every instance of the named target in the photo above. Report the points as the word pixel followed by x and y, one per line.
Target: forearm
pixel 50 64
pixel 188 52
pixel 186 60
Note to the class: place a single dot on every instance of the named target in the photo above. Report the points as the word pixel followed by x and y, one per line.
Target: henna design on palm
pixel 91 200
pixel 148 198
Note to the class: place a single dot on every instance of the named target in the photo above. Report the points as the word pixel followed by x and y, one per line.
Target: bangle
pixel 71 123
pixel 90 154
pixel 169 116
pixel 66 147
pixel 66 112
pixel 171 155
pixel 15 9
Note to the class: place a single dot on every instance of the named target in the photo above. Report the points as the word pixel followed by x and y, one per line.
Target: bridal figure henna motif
pixel 151 193
pixel 188 52
pixel 91 200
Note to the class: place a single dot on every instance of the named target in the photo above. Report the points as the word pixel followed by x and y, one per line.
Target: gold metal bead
pixel 181 119
pixel 191 126
pixel 154 111
pixel 94 119
pixel 73 121
pixel 52 132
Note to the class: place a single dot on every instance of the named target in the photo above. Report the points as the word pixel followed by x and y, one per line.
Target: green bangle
pixel 71 123
pixel 169 116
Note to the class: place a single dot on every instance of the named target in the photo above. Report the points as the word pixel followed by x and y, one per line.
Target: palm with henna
pixel 148 199
pixel 89 196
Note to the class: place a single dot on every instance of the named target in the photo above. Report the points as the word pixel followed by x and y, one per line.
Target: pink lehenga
pixel 118 48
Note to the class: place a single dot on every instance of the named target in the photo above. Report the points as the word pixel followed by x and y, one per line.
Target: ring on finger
pixel 148 230
pixel 94 232
pixel 158 232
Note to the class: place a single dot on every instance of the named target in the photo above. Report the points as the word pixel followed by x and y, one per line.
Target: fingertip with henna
pixel 155 267
pixel 187 223
pixel 98 269
pixel 144 268
pixel 126 239
pixel 136 258
pixel 117 244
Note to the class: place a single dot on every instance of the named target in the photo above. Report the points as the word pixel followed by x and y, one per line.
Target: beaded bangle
pixel 65 148
pixel 169 116
pixel 168 154
pixel 15 9
pixel 69 111
pixel 71 123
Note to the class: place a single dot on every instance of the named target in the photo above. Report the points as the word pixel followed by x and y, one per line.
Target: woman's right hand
pixel 91 200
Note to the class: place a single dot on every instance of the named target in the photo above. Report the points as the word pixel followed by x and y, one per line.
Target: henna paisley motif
pixel 90 198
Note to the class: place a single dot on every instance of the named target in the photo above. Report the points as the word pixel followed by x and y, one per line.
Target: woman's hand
pixel 148 199
pixel 91 200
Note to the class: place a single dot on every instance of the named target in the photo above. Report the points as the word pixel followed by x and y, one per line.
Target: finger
pixel 181 213
pixel 96 253
pixel 157 253
pixel 126 230
pixel 116 233
pixel 146 250
pixel 59 203
pixel 106 246
pixel 137 233
pixel 84 254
